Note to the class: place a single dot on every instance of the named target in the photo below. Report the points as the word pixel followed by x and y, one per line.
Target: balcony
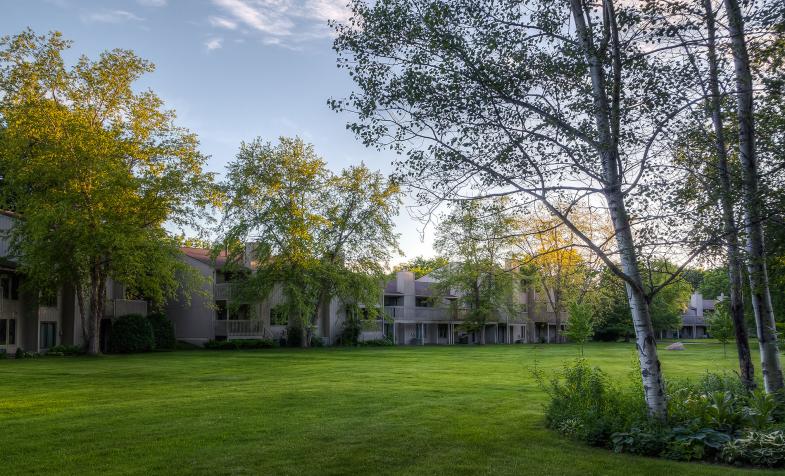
pixel 222 291
pixel 124 307
pixel 693 321
pixel 242 328
pixel 46 313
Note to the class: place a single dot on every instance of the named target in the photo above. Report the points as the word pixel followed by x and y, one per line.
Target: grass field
pixel 415 410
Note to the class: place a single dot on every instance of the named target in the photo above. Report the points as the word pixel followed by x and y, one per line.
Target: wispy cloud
pixel 213 43
pixel 109 16
pixel 152 3
pixel 281 22
pixel 221 22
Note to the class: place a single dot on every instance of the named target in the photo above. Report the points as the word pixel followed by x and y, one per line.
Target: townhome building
pixel 412 314
pixel 694 323
pixel 209 312
pixel 416 316
pixel 36 321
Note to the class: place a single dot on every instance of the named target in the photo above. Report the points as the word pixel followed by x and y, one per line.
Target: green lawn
pixel 415 410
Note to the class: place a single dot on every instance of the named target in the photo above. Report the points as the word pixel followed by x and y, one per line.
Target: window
pixel 15 287
pixel 220 310
pixel 422 301
pixel 278 316
pixel 48 334
pixel 442 331
pixel 7 331
pixel 5 283
pixel 392 300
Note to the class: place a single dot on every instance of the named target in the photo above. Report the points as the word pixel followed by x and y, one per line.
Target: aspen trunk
pixel 746 369
pixel 651 373
pixel 756 255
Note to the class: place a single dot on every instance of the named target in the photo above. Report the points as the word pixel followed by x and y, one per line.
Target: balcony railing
pixel 124 307
pixel 46 313
pixel 222 291
pixel 693 321
pixel 242 328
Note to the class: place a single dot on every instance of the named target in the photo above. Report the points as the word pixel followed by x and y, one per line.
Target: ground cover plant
pixel 711 417
pixel 386 410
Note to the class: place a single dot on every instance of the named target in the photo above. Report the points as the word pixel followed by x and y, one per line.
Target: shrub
pixel 65 350
pixel 294 336
pixel 757 448
pixel 383 342
pixel 651 441
pixel 131 333
pixel 237 344
pixel 585 405
pixel 705 418
pixel 163 331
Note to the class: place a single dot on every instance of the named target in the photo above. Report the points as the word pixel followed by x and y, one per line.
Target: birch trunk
pixel 756 256
pixel 651 373
pixel 746 368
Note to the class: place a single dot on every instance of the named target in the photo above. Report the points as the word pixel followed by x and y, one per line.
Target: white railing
pixel 222 291
pixel 693 321
pixel 394 311
pixel 124 307
pixel 432 313
pixel 242 328
pixel 46 313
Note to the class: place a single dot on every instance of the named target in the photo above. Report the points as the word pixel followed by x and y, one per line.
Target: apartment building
pixel 413 316
pixel 35 321
pixel 209 314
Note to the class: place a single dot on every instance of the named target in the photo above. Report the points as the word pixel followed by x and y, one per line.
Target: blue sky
pixel 233 70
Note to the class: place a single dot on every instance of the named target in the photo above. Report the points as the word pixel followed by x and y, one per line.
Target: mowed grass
pixel 402 410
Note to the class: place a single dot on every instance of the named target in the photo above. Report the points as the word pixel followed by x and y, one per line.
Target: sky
pixel 232 69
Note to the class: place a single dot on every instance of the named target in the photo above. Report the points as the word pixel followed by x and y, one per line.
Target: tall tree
pixel 421 265
pixel 475 238
pixel 547 101
pixel 96 171
pixel 752 204
pixel 316 234
pixel 565 269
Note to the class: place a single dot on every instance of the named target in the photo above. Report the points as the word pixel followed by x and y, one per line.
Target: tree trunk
pixel 645 343
pixel 97 295
pixel 651 373
pixel 756 255
pixel 746 369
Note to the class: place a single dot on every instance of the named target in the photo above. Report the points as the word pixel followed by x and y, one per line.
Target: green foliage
pixel 316 234
pixel 759 448
pixel 585 404
pixel 611 309
pixel 705 418
pixel 294 336
pixel 65 350
pixel 721 325
pixel 130 334
pixel 97 168
pixel 670 302
pixel 421 265
pixel 580 326
pixel 715 282
pixel 163 331
pixel 474 237
pixel 384 342
pixel 240 344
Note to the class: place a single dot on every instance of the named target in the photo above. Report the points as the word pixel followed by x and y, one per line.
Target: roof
pixel 421 288
pixel 205 256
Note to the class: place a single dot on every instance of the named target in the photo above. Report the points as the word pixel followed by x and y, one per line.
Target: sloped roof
pixel 204 255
